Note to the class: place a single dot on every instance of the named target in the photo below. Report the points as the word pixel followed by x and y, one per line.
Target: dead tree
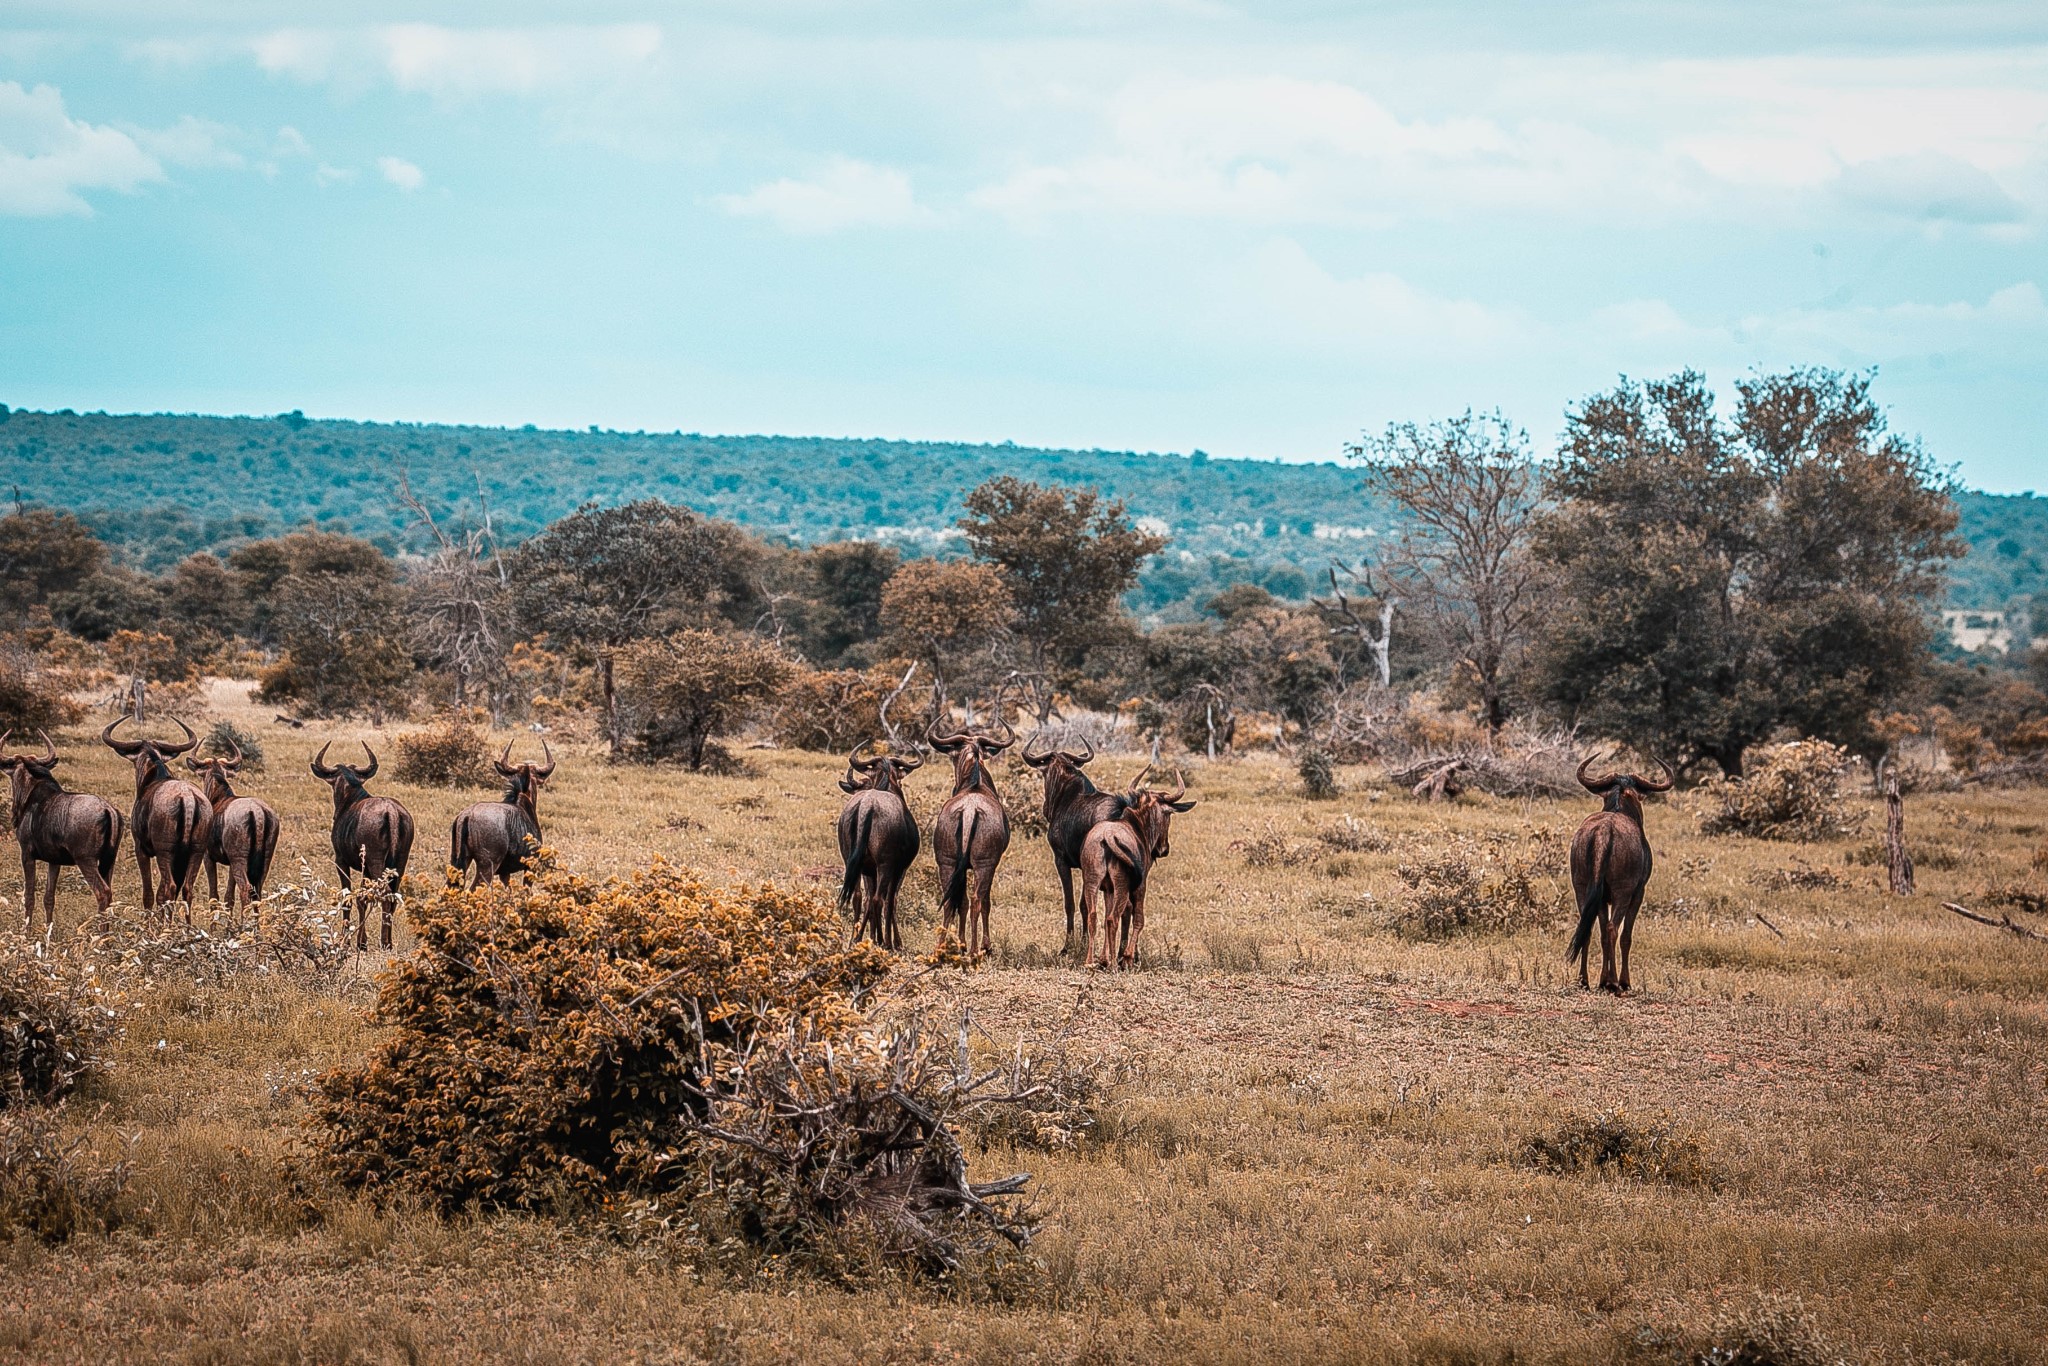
pixel 1898 863
pixel 1342 617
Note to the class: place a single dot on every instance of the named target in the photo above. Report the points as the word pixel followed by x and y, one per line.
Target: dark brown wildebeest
pixel 372 835
pixel 1610 869
pixel 58 828
pixel 971 833
pixel 877 841
pixel 494 835
pixel 1116 861
pixel 1073 807
pixel 244 834
pixel 171 820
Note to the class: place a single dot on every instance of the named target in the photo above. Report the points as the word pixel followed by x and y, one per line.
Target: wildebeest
pixel 171 820
pixel 372 835
pixel 58 828
pixel 971 833
pixel 877 841
pixel 1073 807
pixel 1610 869
pixel 1116 861
pixel 244 833
pixel 494 835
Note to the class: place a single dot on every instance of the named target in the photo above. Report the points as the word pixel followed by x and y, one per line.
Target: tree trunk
pixel 1898 863
pixel 611 701
pixel 137 687
pixel 1380 645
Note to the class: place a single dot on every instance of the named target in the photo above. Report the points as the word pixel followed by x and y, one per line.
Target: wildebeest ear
pixel 1188 805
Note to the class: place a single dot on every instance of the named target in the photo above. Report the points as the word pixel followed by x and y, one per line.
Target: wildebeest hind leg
pixel 1628 930
pixel 1607 950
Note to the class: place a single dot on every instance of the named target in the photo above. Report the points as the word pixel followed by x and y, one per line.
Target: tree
pixel 1068 558
pixel 601 578
pixel 944 612
pixel 43 553
pixel 1466 490
pixel 459 604
pixel 332 604
pixel 692 685
pixel 845 580
pixel 1715 581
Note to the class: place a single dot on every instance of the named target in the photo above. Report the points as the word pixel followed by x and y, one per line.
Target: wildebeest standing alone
pixel 172 820
pixel 1610 869
pixel 1116 862
pixel 971 833
pixel 1073 807
pixel 372 835
pixel 877 842
pixel 244 834
pixel 494 836
pixel 58 828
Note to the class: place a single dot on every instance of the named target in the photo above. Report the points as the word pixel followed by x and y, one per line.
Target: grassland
pixel 1312 1145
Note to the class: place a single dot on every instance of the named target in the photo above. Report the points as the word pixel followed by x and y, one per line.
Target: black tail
pixel 110 842
pixel 956 886
pixel 458 851
pixel 856 854
pixel 181 853
pixel 1589 915
pixel 260 841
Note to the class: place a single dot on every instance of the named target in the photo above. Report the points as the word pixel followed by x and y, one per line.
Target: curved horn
pixel 859 765
pixel 1644 784
pixel 49 749
pixel 127 749
pixel 499 763
pixel 1589 784
pixel 549 755
pixel 1180 787
pixel 943 742
pixel 993 745
pixel 1036 760
pixel 237 748
pixel 908 762
pixel 1078 759
pixel 191 741
pixel 4 738
pixel 320 768
pixel 371 771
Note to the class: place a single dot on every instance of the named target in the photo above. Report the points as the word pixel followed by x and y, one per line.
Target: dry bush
pixel 1234 951
pixel 1769 1330
pixel 296 933
pixel 1652 1150
pixel 1926 854
pixel 1318 774
pixel 30 697
pixel 829 709
pixel 1803 877
pixel 2017 896
pixel 1350 835
pixel 56 1020
pixel 1271 848
pixel 454 752
pixel 1477 886
pixel 226 738
pixel 569 1044
pixel 50 1187
pixel 1023 793
pixel 1791 792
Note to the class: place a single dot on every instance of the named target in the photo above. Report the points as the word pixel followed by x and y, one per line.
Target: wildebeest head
pixel 1624 791
pixel 25 771
pixel 971 751
pixel 215 772
pixel 879 772
pixel 346 779
pixel 527 778
pixel 1058 758
pixel 149 756
pixel 1152 810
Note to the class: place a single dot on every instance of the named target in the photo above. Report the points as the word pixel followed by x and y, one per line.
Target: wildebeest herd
pixel 1112 839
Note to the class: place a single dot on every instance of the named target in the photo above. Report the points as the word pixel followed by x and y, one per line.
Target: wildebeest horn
pixel 860 765
pixel 1591 786
pixel 944 742
pixel 127 749
pixel 320 768
pixel 500 764
pixel 1036 760
pixel 1669 778
pixel 191 741
pixel 994 745
pixel 549 755
pixel 908 763
pixel 49 749
pixel 1078 759
pixel 236 746
pixel 371 771
pixel 5 736
pixel 1180 788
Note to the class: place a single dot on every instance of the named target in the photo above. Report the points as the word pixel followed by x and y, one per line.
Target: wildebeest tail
pixel 956 886
pixel 110 841
pixel 1589 914
pixel 856 853
pixel 261 841
pixel 458 845
pixel 181 847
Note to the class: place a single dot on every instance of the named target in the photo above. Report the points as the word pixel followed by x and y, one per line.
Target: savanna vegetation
pixel 649 1101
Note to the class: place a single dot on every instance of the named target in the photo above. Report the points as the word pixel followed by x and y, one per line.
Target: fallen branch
pixel 1768 925
pixel 2003 922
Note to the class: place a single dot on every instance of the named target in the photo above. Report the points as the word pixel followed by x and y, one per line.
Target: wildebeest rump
pixel 1610 869
pixel 59 828
pixel 244 832
pixel 497 837
pixel 372 835
pixel 1116 863
pixel 172 819
pixel 877 842
pixel 1073 807
pixel 971 833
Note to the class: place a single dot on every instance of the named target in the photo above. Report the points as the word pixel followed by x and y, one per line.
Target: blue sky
pixel 1150 224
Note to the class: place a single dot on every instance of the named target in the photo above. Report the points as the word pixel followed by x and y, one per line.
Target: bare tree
pixel 1466 488
pixel 460 603
pixel 1342 616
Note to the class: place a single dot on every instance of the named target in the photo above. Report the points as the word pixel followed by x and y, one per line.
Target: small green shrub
pixel 1477 887
pixel 50 1188
pixel 1234 951
pixel 1318 775
pixel 455 752
pixel 226 737
pixel 1614 1142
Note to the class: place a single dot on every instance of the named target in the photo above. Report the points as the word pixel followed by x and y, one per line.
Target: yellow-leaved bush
pixel 559 1040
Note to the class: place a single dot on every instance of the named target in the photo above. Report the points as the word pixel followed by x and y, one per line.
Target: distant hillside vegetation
pixel 162 486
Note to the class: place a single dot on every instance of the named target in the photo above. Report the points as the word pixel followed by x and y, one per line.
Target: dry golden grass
pixel 1316 1149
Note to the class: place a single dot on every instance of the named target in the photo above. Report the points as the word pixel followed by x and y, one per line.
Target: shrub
pixel 48 1188
pixel 1474 887
pixel 29 699
pixel 685 688
pixel 55 1021
pixel 1318 775
pixel 1792 792
pixel 455 752
pixel 226 737
pixel 1271 848
pixel 1350 835
pixel 829 709
pixel 568 1043
pixel 1614 1142
pixel 1232 951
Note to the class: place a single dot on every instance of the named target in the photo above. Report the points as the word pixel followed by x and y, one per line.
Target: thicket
pixel 1791 792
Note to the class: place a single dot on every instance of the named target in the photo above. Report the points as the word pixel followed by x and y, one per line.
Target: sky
pixel 1257 230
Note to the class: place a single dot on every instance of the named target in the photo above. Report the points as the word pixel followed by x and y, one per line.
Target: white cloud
pixel 402 173
pixel 290 142
pixel 849 194
pixel 1282 296
pixel 325 175
pixel 194 142
pixel 464 63
pixel 47 158
pixel 1928 186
